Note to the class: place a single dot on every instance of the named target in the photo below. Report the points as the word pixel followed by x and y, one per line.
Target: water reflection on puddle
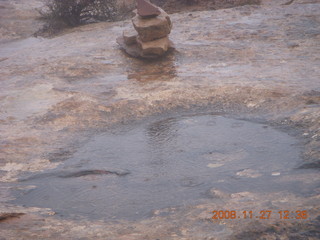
pixel 132 171
pixel 153 70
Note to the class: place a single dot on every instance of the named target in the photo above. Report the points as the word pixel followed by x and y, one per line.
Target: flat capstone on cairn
pixel 149 37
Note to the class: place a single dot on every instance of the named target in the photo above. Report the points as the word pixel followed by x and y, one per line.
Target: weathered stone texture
pixel 130 36
pixel 146 9
pixel 153 28
pixel 155 47
pixel 150 40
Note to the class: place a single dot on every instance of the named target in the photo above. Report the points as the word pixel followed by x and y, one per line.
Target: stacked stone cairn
pixel 149 38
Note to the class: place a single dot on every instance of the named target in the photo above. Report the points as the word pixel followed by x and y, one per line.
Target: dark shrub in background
pixel 59 14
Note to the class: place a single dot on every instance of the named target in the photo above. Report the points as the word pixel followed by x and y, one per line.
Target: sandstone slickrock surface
pixel 19 19
pixel 153 25
pixel 251 62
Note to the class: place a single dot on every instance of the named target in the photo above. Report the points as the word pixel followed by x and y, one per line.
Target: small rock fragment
pixel 215 193
pixel 276 174
pixel 250 173
pixel 214 165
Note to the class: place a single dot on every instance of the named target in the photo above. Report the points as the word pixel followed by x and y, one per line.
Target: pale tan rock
pixel 152 28
pixel 156 47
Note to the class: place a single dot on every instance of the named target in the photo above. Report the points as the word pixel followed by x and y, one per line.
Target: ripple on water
pixel 171 162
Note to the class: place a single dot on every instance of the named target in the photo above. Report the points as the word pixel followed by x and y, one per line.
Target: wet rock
pixel 215 193
pixel 214 165
pixel 190 182
pixel 242 57
pixel 91 172
pixel 147 9
pixel 132 49
pixel 284 230
pixel 8 216
pixel 75 174
pixel 157 47
pixel 130 36
pixel 249 173
pixel 152 49
pixel 152 28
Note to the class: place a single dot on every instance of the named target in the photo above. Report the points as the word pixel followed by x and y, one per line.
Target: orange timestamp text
pixel 263 214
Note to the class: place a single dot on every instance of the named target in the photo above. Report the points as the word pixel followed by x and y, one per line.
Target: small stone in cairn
pixel 149 37
pixel 146 9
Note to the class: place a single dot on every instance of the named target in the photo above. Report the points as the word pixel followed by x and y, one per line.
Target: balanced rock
pixel 149 37
pixel 146 9
pixel 152 28
pixel 130 36
pixel 156 47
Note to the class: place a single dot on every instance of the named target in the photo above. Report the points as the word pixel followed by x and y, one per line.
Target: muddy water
pixel 131 171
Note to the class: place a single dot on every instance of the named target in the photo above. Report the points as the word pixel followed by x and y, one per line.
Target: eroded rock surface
pixel 19 19
pixel 253 62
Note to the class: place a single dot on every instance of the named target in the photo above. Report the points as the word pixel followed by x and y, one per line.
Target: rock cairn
pixel 149 37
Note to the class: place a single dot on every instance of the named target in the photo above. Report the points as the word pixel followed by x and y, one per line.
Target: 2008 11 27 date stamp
pixel 263 214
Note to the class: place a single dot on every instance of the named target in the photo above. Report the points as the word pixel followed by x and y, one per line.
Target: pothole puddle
pixel 129 173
